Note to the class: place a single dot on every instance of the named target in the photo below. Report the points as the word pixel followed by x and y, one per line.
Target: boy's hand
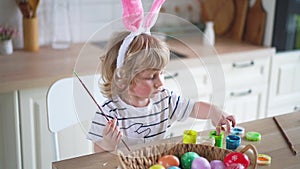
pixel 227 120
pixel 111 136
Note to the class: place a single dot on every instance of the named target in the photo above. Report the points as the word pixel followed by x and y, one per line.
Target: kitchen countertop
pixel 272 144
pixel 23 69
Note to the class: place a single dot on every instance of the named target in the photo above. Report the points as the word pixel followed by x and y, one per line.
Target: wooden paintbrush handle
pixel 285 136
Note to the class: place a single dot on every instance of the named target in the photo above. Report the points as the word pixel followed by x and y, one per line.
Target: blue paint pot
pixel 232 142
pixel 238 131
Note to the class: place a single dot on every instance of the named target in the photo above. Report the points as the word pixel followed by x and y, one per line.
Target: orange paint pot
pixel 263 159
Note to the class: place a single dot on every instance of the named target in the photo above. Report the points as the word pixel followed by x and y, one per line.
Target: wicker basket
pixel 148 156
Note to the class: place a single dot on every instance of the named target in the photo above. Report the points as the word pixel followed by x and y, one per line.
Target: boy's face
pixel 147 83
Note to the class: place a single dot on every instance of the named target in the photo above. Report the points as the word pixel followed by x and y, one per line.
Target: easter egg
pixel 173 167
pixel 235 166
pixel 217 164
pixel 187 159
pixel 249 153
pixel 168 160
pixel 157 166
pixel 236 158
pixel 200 162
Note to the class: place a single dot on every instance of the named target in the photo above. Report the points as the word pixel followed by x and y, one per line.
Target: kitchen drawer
pixel 246 103
pixel 246 69
pixel 191 82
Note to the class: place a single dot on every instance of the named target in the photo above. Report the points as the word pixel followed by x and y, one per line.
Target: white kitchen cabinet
pixel 242 89
pixel 246 76
pixel 36 139
pixel 247 68
pixel 284 90
pixel 246 103
pixel 10 147
pixel 188 78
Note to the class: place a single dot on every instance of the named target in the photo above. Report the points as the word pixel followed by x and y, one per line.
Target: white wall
pixel 87 16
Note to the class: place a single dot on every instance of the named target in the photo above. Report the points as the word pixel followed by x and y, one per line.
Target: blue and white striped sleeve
pixel 180 107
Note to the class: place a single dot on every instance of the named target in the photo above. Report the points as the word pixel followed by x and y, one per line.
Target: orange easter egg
pixel 168 160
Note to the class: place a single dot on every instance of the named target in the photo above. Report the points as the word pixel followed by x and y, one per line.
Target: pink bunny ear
pixel 153 13
pixel 132 14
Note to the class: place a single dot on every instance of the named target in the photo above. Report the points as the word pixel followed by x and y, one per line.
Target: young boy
pixel 138 106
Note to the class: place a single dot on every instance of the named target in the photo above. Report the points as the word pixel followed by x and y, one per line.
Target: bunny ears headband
pixel 136 23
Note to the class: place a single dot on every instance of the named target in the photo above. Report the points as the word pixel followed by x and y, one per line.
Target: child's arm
pixel 97 148
pixel 202 110
pixel 111 137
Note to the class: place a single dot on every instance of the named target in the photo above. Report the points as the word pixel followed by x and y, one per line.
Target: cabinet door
pixel 37 140
pixel 10 146
pixel 285 83
pixel 246 103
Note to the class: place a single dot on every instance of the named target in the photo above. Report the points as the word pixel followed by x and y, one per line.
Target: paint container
pixel 263 159
pixel 253 136
pixel 232 142
pixel 190 137
pixel 240 131
pixel 218 138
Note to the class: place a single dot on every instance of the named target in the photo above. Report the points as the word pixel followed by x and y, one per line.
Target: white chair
pixel 69 105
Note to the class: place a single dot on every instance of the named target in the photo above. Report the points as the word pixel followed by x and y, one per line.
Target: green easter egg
pixel 187 159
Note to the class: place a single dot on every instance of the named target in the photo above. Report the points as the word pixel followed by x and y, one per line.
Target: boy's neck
pixel 136 101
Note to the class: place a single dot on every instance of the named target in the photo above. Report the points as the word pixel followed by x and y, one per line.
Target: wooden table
pixel 272 143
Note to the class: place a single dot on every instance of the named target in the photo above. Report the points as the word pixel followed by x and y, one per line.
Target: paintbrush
pixel 285 136
pixel 86 89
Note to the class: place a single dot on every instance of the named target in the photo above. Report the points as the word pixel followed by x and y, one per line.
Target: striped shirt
pixel 142 124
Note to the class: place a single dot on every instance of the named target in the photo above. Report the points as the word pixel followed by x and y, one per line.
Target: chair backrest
pixel 68 104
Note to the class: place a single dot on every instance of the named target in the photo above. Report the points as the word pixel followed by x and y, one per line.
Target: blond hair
pixel 145 52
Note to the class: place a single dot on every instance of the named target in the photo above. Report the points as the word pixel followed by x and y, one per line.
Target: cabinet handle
pixel 238 94
pixel 243 65
pixel 172 76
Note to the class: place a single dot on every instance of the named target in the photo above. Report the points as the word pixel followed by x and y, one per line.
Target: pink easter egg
pixel 217 164
pixel 200 162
